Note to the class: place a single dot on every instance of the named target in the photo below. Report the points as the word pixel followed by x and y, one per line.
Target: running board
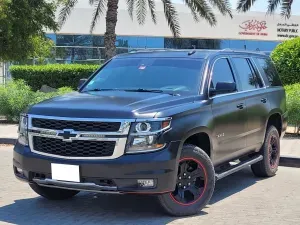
pixel 239 167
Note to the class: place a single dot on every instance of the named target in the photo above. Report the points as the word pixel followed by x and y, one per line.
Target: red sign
pixel 253 27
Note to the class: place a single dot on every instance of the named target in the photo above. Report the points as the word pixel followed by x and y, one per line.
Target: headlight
pixel 23 130
pixel 144 135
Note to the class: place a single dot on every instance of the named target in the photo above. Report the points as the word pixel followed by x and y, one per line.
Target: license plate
pixel 64 172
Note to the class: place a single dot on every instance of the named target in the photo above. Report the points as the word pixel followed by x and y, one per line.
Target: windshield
pixel 159 74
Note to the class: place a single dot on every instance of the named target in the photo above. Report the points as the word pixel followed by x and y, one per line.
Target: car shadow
pixel 89 208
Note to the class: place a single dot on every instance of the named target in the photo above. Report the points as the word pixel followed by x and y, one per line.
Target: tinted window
pixel 270 72
pixel 245 73
pixel 221 72
pixel 165 74
pixel 257 79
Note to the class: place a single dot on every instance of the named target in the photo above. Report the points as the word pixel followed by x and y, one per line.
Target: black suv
pixel 165 123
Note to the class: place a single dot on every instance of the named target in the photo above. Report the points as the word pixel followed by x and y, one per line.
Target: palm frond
pixel 244 5
pixel 286 8
pixel 151 5
pixel 65 11
pixel 141 11
pixel 99 8
pixel 171 17
pixel 204 10
pixel 272 5
pixel 223 6
pixel 130 7
pixel 193 10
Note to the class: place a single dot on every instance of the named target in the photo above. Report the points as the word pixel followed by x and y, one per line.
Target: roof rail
pixel 257 51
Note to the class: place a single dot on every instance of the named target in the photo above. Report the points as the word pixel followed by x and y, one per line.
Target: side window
pixel 248 78
pixel 270 72
pixel 221 72
pixel 257 78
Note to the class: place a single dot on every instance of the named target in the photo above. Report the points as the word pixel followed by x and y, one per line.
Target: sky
pixel 261 5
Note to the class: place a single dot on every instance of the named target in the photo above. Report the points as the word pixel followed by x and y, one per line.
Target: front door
pixel 229 112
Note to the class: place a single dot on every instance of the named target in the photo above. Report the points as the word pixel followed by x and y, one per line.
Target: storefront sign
pixel 287 30
pixel 253 27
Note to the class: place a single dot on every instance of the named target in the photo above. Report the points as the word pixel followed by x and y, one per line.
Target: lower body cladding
pixel 145 173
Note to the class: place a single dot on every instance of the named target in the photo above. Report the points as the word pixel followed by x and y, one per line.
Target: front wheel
pixel 53 193
pixel 195 183
pixel 271 153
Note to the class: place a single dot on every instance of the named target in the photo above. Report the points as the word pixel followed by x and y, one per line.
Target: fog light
pixel 19 170
pixel 145 183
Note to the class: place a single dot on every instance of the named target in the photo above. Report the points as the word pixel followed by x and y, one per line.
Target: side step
pixel 239 166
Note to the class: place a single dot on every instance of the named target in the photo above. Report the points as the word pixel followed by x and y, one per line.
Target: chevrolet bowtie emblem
pixel 67 134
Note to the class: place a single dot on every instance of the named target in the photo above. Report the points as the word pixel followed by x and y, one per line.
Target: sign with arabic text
pixel 287 30
pixel 253 27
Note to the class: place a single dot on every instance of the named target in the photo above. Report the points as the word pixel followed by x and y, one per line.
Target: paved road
pixel 240 199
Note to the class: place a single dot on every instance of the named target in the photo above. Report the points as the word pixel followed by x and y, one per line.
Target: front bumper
pixel 110 175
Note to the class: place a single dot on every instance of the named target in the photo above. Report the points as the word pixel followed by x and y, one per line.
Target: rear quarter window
pixel 267 67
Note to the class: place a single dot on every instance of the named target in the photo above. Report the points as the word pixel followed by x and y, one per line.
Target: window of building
pixel 221 72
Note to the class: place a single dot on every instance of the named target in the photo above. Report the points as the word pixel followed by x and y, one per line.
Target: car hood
pixel 109 104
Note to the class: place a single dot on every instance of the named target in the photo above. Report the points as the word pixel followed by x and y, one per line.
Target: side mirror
pixel 223 88
pixel 81 82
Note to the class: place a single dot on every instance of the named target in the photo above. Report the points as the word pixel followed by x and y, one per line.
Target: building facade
pixel 250 31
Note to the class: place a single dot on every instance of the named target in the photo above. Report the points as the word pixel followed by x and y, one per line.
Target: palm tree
pixel 199 9
pixel 285 5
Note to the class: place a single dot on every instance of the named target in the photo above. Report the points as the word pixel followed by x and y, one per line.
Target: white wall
pixel 226 28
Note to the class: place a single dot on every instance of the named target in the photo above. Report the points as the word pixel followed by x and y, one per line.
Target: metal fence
pixel 83 54
pixel 68 55
pixel 4 72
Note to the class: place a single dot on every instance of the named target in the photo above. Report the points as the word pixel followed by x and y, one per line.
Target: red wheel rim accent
pixel 205 182
pixel 273 152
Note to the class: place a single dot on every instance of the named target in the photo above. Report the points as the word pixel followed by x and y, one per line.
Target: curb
pixel 8 141
pixel 289 161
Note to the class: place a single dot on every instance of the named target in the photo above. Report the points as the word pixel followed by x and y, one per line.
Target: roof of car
pixel 185 53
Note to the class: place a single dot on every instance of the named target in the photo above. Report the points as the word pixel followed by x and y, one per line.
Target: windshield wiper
pixel 98 89
pixel 150 90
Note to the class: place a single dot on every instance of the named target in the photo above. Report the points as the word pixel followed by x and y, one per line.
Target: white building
pixel 252 31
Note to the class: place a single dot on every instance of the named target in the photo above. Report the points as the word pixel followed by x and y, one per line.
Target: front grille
pixel 76 148
pixel 89 126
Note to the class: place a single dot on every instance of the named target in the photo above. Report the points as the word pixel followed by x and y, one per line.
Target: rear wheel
pixel 195 183
pixel 53 193
pixel 271 153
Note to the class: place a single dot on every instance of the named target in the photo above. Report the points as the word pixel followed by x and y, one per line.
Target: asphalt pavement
pixel 239 199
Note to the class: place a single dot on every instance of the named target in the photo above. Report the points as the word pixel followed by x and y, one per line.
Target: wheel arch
pixel 275 119
pixel 195 136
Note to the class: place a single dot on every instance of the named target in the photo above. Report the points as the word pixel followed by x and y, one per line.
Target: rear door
pixel 229 112
pixel 256 100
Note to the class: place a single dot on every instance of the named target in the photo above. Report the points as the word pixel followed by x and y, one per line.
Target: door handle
pixel 240 106
pixel 263 100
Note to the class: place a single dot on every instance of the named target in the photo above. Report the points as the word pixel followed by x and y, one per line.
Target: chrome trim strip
pixel 76 186
pixel 124 127
pixel 119 137
pixel 153 119
pixel 118 151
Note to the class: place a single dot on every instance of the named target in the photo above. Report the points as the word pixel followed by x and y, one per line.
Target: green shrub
pixel 16 96
pixel 54 75
pixel 293 103
pixel 286 57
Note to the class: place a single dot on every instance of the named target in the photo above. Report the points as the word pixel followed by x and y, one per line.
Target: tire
pixel 271 153
pixel 53 193
pixel 197 162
